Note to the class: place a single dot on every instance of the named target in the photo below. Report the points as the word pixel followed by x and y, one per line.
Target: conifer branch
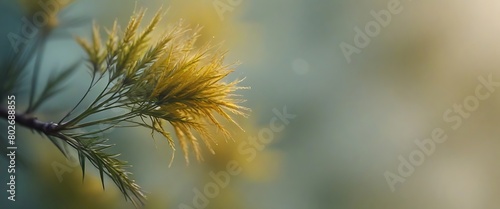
pixel 171 81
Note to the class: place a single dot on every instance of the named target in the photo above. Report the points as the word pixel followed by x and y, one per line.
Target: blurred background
pixel 353 119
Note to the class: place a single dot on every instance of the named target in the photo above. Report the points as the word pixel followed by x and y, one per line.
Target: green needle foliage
pixel 167 81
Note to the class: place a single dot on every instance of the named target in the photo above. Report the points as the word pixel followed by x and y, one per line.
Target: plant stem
pixel 31 122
